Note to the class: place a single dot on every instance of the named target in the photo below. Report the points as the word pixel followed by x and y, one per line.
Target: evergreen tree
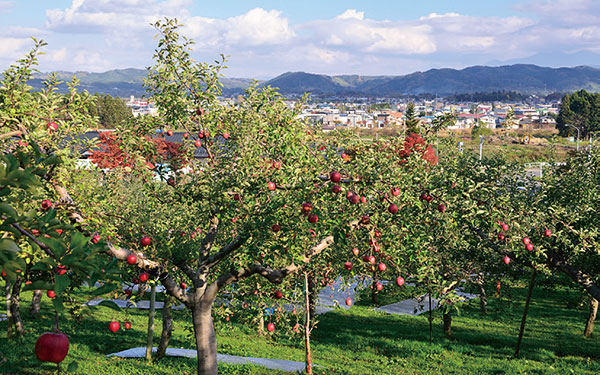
pixel 410 119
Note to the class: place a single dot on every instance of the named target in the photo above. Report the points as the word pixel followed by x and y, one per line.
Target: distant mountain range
pixel 527 79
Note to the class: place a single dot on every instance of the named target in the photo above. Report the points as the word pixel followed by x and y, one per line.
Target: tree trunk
pixel 151 323
pixel 482 295
pixel 206 341
pixel 261 322
pixel 589 326
pixel 312 295
pixel 447 318
pixel 13 309
pixel 522 329
pixel 374 289
pixel 36 302
pixel 166 330
pixel 9 326
pixel 307 325
pixel 142 290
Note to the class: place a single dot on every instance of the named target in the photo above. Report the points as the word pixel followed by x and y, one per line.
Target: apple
pixel 143 277
pixel 276 165
pixel 355 251
pixel 376 248
pixel 135 280
pixel 186 135
pixel 50 294
pixel 349 301
pixel 22 143
pixel 171 181
pixel 377 234
pixel 393 209
pixel 278 294
pixel 3 274
pixel 547 233
pixel 379 287
pixel 237 197
pixel 275 228
pixel 271 186
pixel 365 258
pixel 504 227
pixel 132 259
pixel 306 207
pixel 365 219
pixel 529 247
pixel 526 240
pixel 52 127
pixel 372 259
pixel 52 347
pixel 428 198
pixel 127 325
pixel 335 177
pixel 506 259
pixel 344 155
pixel 170 133
pixel 501 236
pixel 46 204
pixel 145 241
pixel 183 285
pixel 114 326
pixel 312 218
pixel 400 280
pixel 198 143
pixel 200 112
pixel 348 265
pixel 381 267
pixel 201 134
pixel 363 199
pixel 227 318
pixel 270 327
pixel 294 311
pixel 354 199
pixel 226 135
pixel 441 208
pixel 396 192
pixel 61 270
pixel 423 197
pixel 127 292
pixel 336 188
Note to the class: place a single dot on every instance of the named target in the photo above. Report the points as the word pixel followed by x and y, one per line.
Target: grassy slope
pixel 358 341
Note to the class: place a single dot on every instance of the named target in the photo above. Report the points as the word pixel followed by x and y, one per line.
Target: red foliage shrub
pixel 417 144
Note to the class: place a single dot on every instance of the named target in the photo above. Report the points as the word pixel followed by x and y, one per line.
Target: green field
pixel 358 341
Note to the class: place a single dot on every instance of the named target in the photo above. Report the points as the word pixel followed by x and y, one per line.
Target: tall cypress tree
pixel 411 120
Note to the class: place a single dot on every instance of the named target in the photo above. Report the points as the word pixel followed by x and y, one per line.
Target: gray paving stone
pixel 275 364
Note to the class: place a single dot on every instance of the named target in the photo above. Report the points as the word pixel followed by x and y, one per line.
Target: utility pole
pixel 481 138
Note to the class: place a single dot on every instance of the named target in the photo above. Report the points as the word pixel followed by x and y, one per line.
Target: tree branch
pixel 209 239
pixel 225 251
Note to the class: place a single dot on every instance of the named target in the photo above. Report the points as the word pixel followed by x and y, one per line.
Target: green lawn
pixel 357 341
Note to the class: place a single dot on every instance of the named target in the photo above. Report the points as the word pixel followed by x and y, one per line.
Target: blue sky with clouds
pixel 266 38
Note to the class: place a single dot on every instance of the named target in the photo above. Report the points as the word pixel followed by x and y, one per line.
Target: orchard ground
pixel 354 341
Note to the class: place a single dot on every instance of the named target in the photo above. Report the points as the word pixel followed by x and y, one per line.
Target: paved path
pixel 275 364
pixel 124 303
pixel 417 306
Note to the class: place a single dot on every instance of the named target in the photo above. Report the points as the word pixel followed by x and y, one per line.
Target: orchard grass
pixel 356 341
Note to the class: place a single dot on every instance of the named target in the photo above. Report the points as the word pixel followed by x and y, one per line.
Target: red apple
pixel 372 259
pixel 46 204
pixel 226 135
pixel 143 277
pixel 275 228
pixel 381 267
pixel 61 270
pixel 198 143
pixel 393 209
pixel 52 127
pixel 400 280
pixel 59 231
pixel 306 207
pixel 312 218
pixel 504 227
pixel 132 259
pixel 52 347
pixel 276 165
pixel 396 192
pixel 354 199
pixel 170 133
pixel 355 251
pixel 237 197
pixel 200 111
pixel 336 189
pixel 363 199
pixel 365 258
pixel 348 265
pixel 506 260
pixel 365 219
pixel 114 326
pixel 349 301
pixel 186 135
pixel 428 198
pixel 379 286
pixel 335 177
pixel 271 186
pixel 3 274
pixel 145 241
pixel 526 240
pixel 529 247
pixel 127 292
pixel 270 327
pixel 344 155
pixel 200 134
pixel 50 294
pixel 278 294
pixel 95 238
pixel 501 236
pixel 183 285
pixel 441 208
pixel 423 197
pixel 127 325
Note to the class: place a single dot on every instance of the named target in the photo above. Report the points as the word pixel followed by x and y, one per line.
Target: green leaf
pixel 6 209
pixel 110 305
pixel 8 245
pixel 61 284
pixel 106 288
pixel 58 304
pixel 78 241
pixel 57 246
pixel 38 284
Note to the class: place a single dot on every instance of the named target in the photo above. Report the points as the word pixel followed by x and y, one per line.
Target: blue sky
pixel 266 38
